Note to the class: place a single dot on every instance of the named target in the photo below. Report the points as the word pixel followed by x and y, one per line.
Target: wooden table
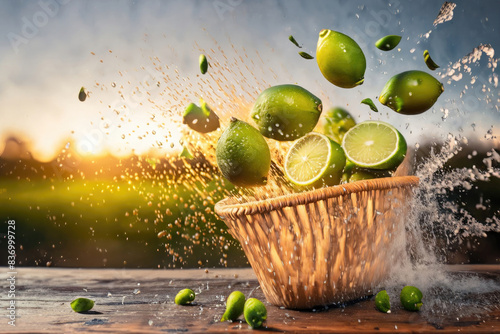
pixel 141 301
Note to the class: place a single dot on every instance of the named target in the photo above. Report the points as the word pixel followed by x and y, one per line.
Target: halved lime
pixel 375 145
pixel 315 160
pixel 382 302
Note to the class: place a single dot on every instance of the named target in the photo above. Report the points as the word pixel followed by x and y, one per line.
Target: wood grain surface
pixel 141 301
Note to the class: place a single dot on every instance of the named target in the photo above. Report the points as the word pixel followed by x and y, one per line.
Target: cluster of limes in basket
pixel 344 151
pixel 289 112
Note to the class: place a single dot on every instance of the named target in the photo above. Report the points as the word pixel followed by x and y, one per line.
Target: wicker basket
pixel 321 247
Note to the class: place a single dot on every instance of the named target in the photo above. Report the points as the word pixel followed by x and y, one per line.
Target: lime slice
pixel 315 160
pixel 375 145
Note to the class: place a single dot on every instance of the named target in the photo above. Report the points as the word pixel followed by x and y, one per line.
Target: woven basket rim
pixel 225 207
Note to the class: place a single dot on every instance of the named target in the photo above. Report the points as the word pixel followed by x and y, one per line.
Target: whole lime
pixel 234 306
pixel 359 174
pixel 340 59
pixel 255 312
pixel 411 92
pixel 286 112
pixel 243 155
pixel 354 173
pixel 82 305
pixel 346 173
pixel 336 123
pixel 411 298
pixel 184 297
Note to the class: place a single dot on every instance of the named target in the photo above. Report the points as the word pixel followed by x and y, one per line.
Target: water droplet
pixel 445 113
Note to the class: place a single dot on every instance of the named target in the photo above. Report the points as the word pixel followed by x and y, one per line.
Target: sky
pixel 139 62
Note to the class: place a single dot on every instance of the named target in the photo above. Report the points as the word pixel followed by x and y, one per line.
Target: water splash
pixel 436 184
pixel 438 222
pixel 464 65
pixel 445 13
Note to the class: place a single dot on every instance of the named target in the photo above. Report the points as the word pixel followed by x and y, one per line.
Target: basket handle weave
pixel 229 207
